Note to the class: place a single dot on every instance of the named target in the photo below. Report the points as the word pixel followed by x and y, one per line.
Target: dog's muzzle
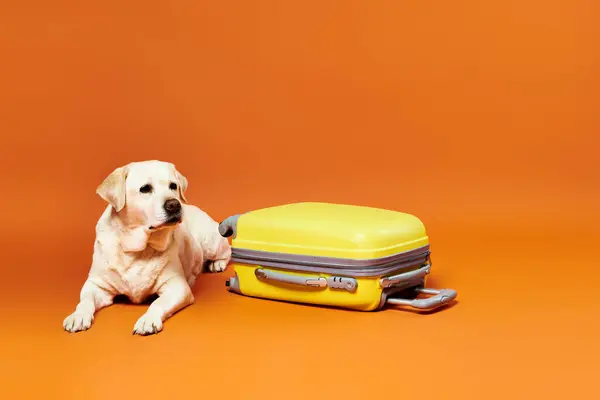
pixel 172 207
pixel 173 210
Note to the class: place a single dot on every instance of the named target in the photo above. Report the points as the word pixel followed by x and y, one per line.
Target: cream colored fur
pixel 137 255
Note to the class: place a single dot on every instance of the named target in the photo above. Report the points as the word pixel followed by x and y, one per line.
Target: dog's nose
pixel 172 206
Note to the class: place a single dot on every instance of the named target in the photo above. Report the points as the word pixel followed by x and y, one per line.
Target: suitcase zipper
pixel 357 268
pixel 331 262
pixel 370 272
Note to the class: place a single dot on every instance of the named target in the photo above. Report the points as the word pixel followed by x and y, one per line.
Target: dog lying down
pixel 148 243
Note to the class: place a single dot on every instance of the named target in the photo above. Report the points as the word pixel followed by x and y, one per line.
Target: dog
pixel 149 242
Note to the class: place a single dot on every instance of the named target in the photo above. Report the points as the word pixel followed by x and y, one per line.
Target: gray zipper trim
pixel 330 265
pixel 332 262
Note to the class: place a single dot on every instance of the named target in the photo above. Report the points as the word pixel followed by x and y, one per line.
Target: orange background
pixel 480 117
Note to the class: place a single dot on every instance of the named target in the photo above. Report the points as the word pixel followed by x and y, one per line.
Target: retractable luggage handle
pixel 440 298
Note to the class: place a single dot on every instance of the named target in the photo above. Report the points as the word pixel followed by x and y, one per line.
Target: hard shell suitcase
pixel 353 257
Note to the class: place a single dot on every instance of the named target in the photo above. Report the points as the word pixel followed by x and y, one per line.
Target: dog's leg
pixel 218 252
pixel 91 299
pixel 174 295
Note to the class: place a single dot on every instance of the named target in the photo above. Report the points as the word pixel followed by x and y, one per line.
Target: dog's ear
pixel 182 184
pixel 112 189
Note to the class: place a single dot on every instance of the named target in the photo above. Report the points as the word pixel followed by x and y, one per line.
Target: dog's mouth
pixel 172 220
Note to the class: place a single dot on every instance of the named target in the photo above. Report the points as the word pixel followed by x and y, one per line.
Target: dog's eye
pixel 173 186
pixel 146 189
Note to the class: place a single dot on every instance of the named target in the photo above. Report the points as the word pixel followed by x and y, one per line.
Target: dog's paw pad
pixel 78 322
pixel 148 324
pixel 217 266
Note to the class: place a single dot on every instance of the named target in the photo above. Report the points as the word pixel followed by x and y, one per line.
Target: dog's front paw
pixel 217 266
pixel 78 322
pixel 148 324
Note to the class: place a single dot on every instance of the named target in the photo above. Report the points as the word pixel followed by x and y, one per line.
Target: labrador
pixel 149 241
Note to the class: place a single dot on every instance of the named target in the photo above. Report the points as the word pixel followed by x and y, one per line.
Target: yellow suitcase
pixel 353 257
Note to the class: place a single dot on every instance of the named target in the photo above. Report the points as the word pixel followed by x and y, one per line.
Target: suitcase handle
pixel 388 281
pixel 333 282
pixel 267 275
pixel 440 298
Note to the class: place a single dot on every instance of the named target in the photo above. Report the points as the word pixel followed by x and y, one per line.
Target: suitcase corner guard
pixel 233 284
pixel 228 227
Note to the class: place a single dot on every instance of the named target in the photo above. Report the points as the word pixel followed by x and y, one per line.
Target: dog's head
pixel 147 193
